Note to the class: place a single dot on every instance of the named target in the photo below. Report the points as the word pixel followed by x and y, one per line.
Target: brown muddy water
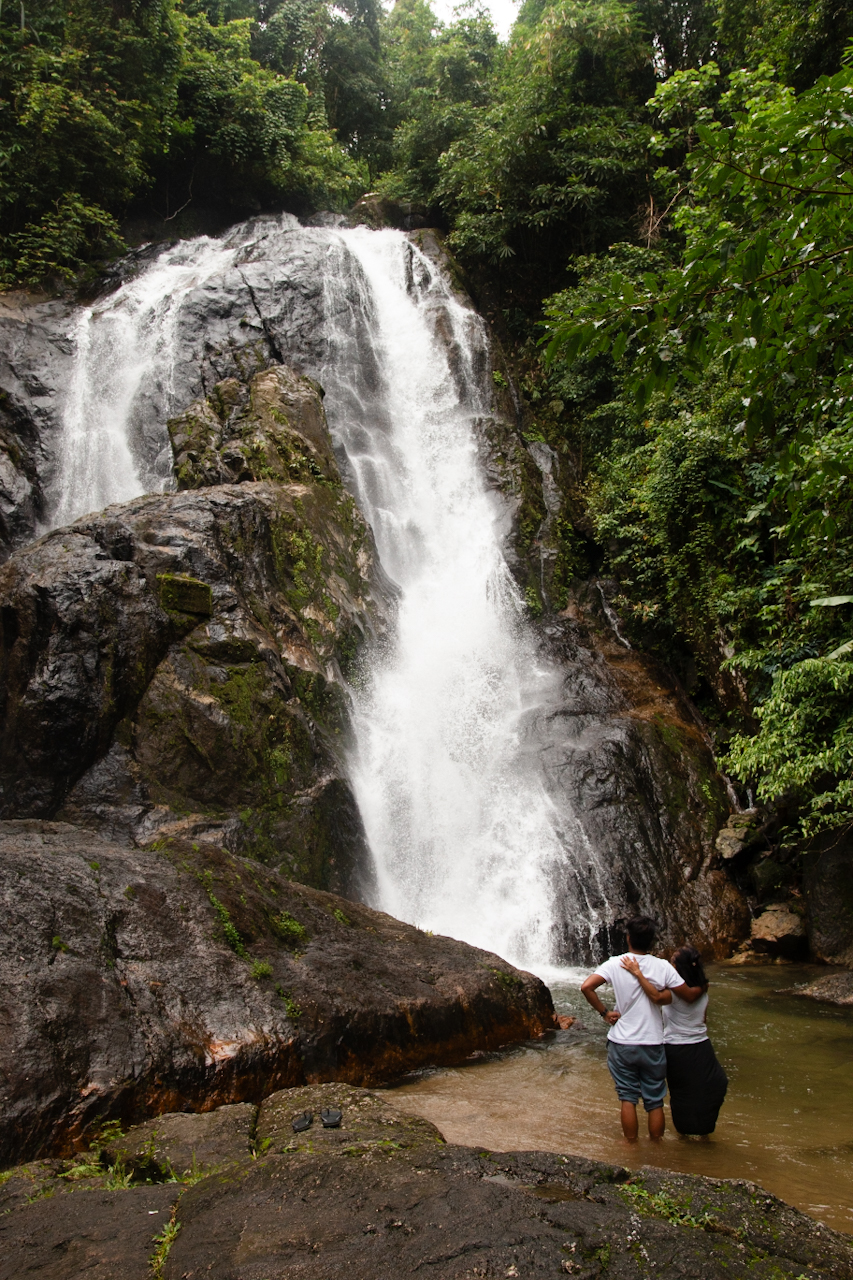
pixel 787 1121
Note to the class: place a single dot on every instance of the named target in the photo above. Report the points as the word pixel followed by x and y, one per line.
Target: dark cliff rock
pixel 141 981
pixel 384 1197
pixel 828 893
pixel 627 752
pixel 34 362
pixel 174 663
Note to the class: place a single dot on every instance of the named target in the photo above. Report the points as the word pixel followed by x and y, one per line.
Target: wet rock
pixel 779 931
pixel 175 663
pixel 34 360
pixel 97 1234
pixel 835 988
pixel 271 428
pixel 374 210
pixel 626 756
pixel 828 892
pixel 384 1197
pixel 184 1144
pixel 137 982
pixel 737 834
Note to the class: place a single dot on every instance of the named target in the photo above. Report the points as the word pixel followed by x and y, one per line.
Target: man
pixel 635 1053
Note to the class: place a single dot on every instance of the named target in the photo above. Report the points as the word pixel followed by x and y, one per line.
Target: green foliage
pixel 713 388
pixel 229 929
pixel 663 1205
pixel 290 929
pixel 560 156
pixel 163 1242
pixel 261 969
pixel 102 104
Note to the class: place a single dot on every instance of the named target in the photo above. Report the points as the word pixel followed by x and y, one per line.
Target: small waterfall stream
pixel 122 384
pixel 465 836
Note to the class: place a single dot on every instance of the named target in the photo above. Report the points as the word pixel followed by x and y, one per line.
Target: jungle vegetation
pixel 655 205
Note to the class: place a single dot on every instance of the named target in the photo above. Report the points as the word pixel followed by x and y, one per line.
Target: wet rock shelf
pixel 239 1194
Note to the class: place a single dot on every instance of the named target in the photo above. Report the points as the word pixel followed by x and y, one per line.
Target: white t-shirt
pixel 640 1021
pixel 684 1023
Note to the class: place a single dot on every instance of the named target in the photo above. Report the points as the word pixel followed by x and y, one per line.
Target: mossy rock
pixel 185 595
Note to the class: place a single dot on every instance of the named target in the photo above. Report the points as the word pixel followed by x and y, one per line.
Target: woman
pixel 697 1082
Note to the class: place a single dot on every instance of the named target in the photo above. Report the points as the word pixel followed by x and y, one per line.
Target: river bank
pixel 786 1123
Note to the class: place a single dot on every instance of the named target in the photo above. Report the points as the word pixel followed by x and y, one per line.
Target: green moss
pixel 289 929
pixel 184 594
pixel 291 1008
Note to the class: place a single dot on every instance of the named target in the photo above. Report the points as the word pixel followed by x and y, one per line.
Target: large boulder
pixel 142 981
pixel 383 1197
pixel 175 664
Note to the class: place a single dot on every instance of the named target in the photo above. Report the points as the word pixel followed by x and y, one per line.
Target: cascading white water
pixel 466 840
pixel 124 348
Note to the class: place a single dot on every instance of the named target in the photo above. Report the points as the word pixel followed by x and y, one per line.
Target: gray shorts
pixel 638 1071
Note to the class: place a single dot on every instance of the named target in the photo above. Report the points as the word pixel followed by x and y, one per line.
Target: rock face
pixel 174 664
pixel 142 981
pixel 381 1198
pixel 828 889
pixel 272 428
pixel 34 359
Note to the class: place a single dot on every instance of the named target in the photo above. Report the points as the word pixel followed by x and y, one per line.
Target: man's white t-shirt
pixel 640 1021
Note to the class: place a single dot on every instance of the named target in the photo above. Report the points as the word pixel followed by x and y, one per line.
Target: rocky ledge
pixel 176 664
pixel 183 977
pixel 235 1193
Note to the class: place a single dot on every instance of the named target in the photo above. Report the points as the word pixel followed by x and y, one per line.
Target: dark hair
pixel 688 963
pixel 641 931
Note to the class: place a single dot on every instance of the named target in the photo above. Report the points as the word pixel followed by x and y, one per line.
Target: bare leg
pixel 657 1124
pixel 629 1121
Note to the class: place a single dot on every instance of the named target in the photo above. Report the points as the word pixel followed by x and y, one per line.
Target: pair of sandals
pixel 330 1117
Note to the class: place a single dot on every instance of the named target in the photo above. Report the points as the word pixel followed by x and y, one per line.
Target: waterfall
pixel 467 837
pixel 466 840
pixel 122 385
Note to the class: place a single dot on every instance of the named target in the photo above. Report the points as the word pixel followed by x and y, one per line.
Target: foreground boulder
pixel 141 981
pixel 380 1198
pixel 175 664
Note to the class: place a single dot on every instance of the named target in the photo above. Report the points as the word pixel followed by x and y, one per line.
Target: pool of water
pixel 787 1121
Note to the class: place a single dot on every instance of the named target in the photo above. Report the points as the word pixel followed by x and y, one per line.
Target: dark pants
pixel 697 1086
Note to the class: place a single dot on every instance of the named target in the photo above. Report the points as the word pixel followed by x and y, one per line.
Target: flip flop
pixel 303 1122
pixel 331 1117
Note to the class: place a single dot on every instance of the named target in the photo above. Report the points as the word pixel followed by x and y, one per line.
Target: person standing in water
pixel 635 1049
pixel 697 1082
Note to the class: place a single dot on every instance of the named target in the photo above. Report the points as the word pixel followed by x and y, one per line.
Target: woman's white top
pixel 683 1022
